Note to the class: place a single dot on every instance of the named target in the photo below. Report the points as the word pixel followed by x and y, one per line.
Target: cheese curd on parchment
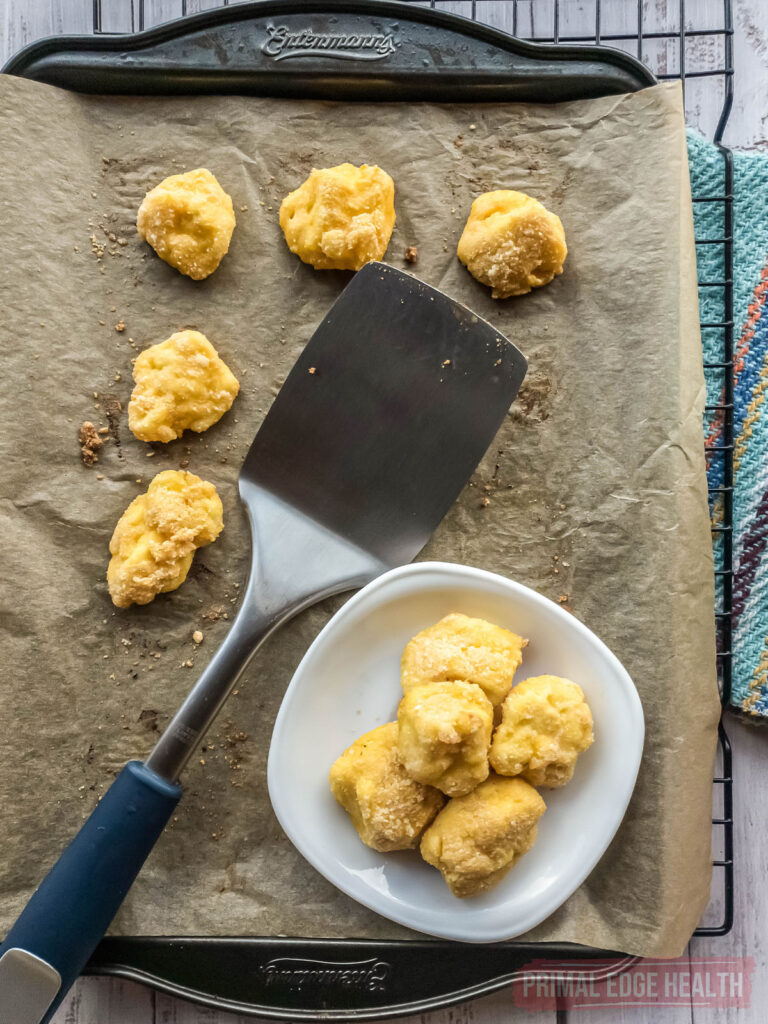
pixel 156 537
pixel 188 219
pixel 512 243
pixel 181 384
pixel 341 217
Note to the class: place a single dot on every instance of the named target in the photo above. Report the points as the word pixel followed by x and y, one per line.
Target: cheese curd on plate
pixel 181 384
pixel 157 536
pixel 188 219
pixel 477 838
pixel 467 649
pixel 341 217
pixel 444 735
pixel 389 809
pixel 546 723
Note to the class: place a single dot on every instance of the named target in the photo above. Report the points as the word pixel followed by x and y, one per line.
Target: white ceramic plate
pixel 349 682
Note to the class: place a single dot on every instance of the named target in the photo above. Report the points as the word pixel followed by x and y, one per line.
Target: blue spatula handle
pixel 69 913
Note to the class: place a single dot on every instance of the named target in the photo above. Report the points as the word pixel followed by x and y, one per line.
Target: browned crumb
pixel 313 369
pixel 90 442
pixel 120 326
pixel 485 503
pixel 197 636
pixel 233 741
pixel 411 254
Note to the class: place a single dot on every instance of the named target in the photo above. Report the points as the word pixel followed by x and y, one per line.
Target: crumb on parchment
pixel 90 442
pixel 411 254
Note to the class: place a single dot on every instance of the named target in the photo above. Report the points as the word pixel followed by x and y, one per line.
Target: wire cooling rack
pixel 690 40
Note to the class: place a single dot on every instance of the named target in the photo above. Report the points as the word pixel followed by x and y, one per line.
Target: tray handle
pixel 344 979
pixel 331 49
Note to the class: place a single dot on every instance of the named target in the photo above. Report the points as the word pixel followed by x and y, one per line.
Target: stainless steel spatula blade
pixel 387 412
pixel 380 423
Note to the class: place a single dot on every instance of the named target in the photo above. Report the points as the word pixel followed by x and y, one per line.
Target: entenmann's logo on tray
pixel 298 974
pixel 283 43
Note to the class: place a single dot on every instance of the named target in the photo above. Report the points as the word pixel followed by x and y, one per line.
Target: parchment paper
pixel 595 483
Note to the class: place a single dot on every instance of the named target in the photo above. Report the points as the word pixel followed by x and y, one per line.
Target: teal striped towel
pixel 750 496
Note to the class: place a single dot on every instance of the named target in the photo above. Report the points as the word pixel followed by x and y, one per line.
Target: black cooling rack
pixel 677 39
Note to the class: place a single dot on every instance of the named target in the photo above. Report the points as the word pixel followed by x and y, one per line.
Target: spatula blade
pixel 387 412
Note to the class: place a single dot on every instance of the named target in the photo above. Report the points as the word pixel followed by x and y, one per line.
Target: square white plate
pixel 349 682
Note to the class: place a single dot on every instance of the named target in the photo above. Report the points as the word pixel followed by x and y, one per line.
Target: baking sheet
pixel 593 492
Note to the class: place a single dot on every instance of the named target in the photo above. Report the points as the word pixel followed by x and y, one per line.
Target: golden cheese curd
pixel 157 536
pixel 389 809
pixel 462 648
pixel 188 219
pixel 512 243
pixel 181 384
pixel 476 839
pixel 546 723
pixel 341 217
pixel 444 735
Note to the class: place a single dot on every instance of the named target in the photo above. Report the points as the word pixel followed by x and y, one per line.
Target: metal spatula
pixel 380 423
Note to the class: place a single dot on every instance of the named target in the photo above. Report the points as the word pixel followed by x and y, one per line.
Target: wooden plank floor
pixel 108 1001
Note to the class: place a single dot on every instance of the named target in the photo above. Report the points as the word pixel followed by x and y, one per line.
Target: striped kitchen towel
pixel 750 497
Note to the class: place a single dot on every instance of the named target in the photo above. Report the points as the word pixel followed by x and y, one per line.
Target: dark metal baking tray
pixel 351 50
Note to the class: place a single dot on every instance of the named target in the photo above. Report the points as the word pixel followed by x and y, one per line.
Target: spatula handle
pixel 67 916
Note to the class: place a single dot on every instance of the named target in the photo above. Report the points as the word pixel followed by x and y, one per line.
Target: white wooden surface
pixel 108 1001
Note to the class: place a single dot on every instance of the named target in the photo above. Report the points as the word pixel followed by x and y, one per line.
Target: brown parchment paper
pixel 595 484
